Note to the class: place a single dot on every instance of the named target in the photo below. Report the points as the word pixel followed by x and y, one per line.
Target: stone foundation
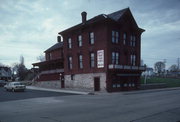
pixel 85 81
pixel 49 84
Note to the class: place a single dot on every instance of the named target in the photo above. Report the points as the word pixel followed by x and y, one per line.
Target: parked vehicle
pixel 15 86
pixel 2 83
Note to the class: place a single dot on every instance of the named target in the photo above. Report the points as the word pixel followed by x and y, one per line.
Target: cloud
pixel 30 27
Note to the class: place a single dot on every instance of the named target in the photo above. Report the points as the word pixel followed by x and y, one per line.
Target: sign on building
pixel 100 58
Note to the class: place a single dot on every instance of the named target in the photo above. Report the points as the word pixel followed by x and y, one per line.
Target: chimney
pixel 83 14
pixel 58 38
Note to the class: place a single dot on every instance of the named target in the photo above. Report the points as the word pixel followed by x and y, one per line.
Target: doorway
pixel 97 84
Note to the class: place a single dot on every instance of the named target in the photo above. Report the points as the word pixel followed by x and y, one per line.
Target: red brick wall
pixel 120 47
pixel 49 77
pixel 55 54
pixel 100 34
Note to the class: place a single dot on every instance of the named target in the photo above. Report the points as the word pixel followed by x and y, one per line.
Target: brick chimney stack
pixel 58 38
pixel 83 14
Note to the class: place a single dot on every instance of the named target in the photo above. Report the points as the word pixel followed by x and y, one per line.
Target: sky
pixel 29 27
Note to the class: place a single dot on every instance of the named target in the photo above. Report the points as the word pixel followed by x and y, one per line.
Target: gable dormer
pixel 125 18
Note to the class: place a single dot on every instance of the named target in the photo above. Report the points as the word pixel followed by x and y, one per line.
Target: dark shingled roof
pixel 113 16
pixel 54 47
pixel 118 14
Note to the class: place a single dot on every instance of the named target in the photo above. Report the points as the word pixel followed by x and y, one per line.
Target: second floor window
pixel 133 60
pixel 80 61
pixel 70 62
pixel 133 40
pixel 80 40
pixel 115 37
pixel 115 58
pixel 91 37
pixel 92 60
pixel 124 38
pixel 69 43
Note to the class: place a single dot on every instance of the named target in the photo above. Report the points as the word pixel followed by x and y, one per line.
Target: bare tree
pixel 1 64
pixel 19 69
pixel 41 58
pixel 159 67
pixel 173 68
pixel 21 60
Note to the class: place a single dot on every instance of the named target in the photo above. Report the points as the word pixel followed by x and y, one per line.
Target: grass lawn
pixel 171 82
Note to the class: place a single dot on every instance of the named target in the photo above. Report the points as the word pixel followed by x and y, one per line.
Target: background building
pixel 5 73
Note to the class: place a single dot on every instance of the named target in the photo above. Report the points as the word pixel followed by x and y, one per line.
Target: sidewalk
pixel 66 90
pixel 57 90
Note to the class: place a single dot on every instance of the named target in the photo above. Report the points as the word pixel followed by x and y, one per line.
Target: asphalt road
pixel 138 106
pixel 10 96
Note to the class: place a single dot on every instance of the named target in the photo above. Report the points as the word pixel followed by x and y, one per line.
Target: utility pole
pixel 164 66
pixel 178 63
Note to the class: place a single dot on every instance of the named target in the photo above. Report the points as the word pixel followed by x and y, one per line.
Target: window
pixel 125 84
pixel 91 38
pixel 118 85
pixel 133 60
pixel 69 43
pixel 80 61
pixel 50 56
pixel 115 58
pixel 133 40
pixel 124 38
pixel 114 85
pixel 70 62
pixel 79 40
pixel 92 60
pixel 115 37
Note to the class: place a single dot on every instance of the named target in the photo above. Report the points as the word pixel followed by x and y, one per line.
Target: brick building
pixel 103 53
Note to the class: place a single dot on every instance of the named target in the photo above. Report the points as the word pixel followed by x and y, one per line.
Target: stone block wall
pixel 49 84
pixel 85 81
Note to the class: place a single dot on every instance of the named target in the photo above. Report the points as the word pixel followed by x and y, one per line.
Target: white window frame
pixel 80 40
pixel 70 62
pixel 80 61
pixel 69 43
pixel 91 37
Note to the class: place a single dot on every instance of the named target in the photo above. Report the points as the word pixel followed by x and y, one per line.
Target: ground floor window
pixel 120 83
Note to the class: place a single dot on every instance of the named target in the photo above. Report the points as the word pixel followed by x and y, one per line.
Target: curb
pixel 56 90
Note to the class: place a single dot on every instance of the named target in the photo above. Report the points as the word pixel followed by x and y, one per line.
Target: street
pixel 136 106
pixel 9 96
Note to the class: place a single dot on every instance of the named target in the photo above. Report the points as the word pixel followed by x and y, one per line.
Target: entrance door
pixel 96 84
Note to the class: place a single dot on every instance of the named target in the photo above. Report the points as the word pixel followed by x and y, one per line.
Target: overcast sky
pixel 29 27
